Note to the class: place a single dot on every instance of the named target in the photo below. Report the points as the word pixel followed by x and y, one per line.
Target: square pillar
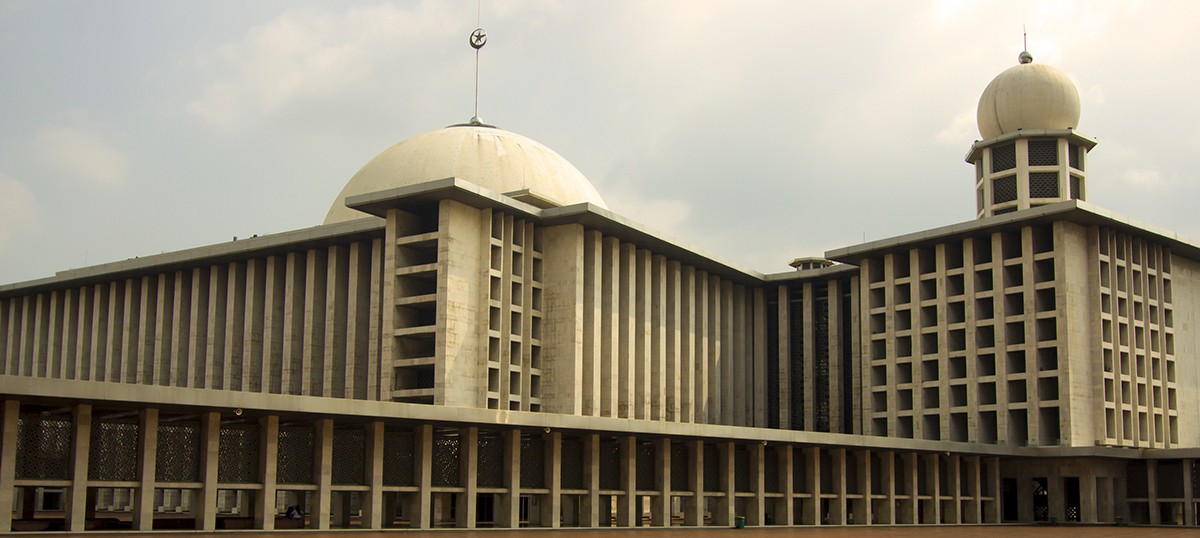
pixel 268 465
pixel 812 460
pixel 837 507
pixel 954 468
pixel 143 495
pixel 323 472
pixel 887 510
pixel 628 510
pixel 660 508
pixel 420 517
pixel 590 516
pixel 1088 496
pixel 210 452
pixel 785 515
pixel 993 514
pixel 468 450
pixel 932 515
pixel 723 511
pixel 8 461
pixel 551 508
pixel 508 513
pixel 372 502
pixel 862 513
pixel 756 514
pixel 693 509
pixel 1189 494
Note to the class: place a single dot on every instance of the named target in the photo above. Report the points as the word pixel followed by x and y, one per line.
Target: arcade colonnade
pixel 229 470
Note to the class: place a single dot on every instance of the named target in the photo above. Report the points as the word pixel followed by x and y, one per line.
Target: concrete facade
pixel 462 357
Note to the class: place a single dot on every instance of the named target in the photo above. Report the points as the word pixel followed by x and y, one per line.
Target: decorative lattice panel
pixel 741 468
pixel 1076 187
pixel 238 457
pixel 445 458
pixel 796 320
pixel 821 379
pixel 712 468
pixel 1073 156
pixel 177 458
pixel 572 464
pixel 877 476
pixel 1004 189
pixel 43 447
pixel 1004 157
pixel 680 467
pixel 114 448
pixel 771 471
pixel 398 457
pixel 490 460
pixel 1169 479
pixel 799 471
pixel 349 456
pixel 533 461
pixel 610 464
pixel 295 462
pixel 1043 185
pixel 772 350
pixel 645 466
pixel 1043 153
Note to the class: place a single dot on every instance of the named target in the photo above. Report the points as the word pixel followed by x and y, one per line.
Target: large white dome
pixel 1028 96
pixel 492 158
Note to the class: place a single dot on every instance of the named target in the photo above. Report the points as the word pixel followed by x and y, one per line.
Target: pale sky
pixel 758 131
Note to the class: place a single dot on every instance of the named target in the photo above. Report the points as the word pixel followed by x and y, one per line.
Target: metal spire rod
pixel 478 40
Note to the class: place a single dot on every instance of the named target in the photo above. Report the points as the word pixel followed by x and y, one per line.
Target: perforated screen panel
pixel 398 458
pixel 445 458
pixel 1004 157
pixel 1004 189
pixel 177 458
pixel 1043 185
pixel 114 449
pixel 43 446
pixel 1076 187
pixel 712 468
pixel 295 456
pixel 680 467
pixel 572 463
pixel 533 461
pixel 610 464
pixel 238 453
pixel 1043 152
pixel 349 456
pixel 645 466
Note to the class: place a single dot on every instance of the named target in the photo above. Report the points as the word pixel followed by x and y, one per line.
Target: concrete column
pixel 693 509
pixel 210 451
pixel 551 508
pixel 812 460
pixel 993 514
pixel 954 467
pixel 268 465
pixel 77 505
pixel 1057 489
pixel 143 499
pixel 723 511
pixel 8 461
pixel 862 514
pixel 787 483
pixel 1189 492
pixel 975 514
pixel 628 510
pixel 1088 504
pixel 508 513
pixel 933 510
pixel 591 480
pixel 912 512
pixel 468 450
pixel 887 511
pixel 661 506
pixel 756 514
pixel 372 503
pixel 1151 492
pixel 837 507
pixel 322 471
pixel 420 516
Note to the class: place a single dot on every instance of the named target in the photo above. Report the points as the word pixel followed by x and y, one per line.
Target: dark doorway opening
pixel 1071 487
pixel 1041 499
pixel 1009 499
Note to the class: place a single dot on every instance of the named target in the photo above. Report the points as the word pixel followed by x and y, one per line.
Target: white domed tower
pixel 1030 154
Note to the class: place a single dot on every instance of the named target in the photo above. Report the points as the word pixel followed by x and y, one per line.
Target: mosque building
pixel 473 339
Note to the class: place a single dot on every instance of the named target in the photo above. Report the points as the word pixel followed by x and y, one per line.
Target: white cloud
pixel 18 209
pixel 657 214
pixel 81 152
pixel 311 54
pixel 962 128
pixel 1143 177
